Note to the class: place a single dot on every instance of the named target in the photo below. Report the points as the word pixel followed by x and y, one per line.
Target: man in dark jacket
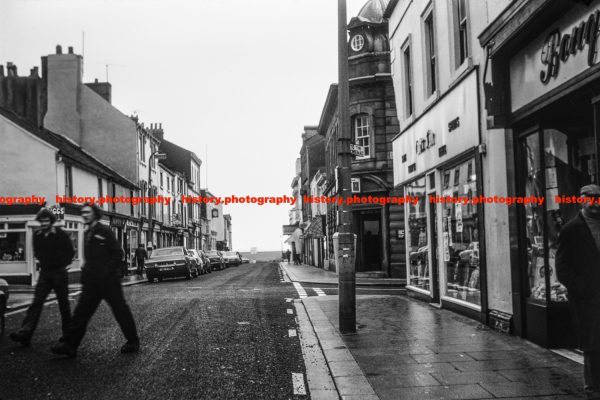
pixel 140 257
pixel 578 268
pixel 100 280
pixel 54 250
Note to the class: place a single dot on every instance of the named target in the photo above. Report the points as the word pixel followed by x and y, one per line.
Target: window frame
pixel 68 180
pixel 459 25
pixel 407 79
pixel 430 51
pixel 366 117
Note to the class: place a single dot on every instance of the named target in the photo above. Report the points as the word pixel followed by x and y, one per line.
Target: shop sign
pixel 425 143
pixel 454 124
pixel 58 211
pixel 355 185
pixel 131 224
pixel 564 51
pixel 559 46
pixel 117 222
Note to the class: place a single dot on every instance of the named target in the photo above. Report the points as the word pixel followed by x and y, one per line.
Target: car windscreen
pixel 231 253
pixel 167 252
pixel 213 254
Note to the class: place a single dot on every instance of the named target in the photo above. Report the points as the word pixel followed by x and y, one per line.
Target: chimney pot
pixel 58 49
pixel 96 80
pixel 70 49
pixel 160 125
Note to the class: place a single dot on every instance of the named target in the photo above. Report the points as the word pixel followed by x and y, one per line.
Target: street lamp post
pixel 159 156
pixel 344 239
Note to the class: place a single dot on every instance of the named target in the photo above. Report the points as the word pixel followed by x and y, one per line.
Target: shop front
pixel 17 227
pixel 551 119
pixel 437 160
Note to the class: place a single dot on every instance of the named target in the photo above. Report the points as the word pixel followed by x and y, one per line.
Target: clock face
pixel 357 42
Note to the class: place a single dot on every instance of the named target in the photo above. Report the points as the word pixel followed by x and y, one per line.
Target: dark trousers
pixel 591 373
pixel 48 280
pixel 140 266
pixel 91 295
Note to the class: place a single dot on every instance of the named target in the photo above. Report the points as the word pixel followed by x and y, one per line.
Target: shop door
pixel 435 276
pixel 371 240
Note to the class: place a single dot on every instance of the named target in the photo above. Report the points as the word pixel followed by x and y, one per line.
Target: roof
pixel 372 11
pixel 70 150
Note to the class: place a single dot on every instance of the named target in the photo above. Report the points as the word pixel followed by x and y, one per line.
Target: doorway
pixel 370 232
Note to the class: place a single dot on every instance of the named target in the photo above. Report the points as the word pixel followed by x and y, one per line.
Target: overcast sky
pixel 237 77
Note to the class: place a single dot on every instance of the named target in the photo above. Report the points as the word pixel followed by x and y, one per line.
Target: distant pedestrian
pixel 577 268
pixel 287 255
pixel 54 251
pixel 141 255
pixel 295 256
pixel 100 280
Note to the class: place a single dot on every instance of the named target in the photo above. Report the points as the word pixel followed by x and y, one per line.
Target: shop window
pixel 361 135
pixel 12 246
pixel 416 228
pixel 72 229
pixel 461 238
pixel 566 163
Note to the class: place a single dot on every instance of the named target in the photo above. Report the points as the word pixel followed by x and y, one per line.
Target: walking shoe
pixel 21 338
pixel 130 347
pixel 64 349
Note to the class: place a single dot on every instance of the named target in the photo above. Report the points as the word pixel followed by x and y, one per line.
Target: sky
pixel 235 81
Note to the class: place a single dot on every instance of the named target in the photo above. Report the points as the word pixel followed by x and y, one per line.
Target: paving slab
pixel 407 349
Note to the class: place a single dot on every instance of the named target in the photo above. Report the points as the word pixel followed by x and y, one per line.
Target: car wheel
pixel 188 274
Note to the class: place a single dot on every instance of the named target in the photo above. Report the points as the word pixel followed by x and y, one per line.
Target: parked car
pixel 216 260
pixel 203 267
pixel 4 293
pixel 205 258
pixel 170 262
pixel 245 260
pixel 232 258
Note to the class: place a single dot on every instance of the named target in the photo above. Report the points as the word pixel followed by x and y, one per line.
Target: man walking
pixel 140 256
pixel 578 268
pixel 100 280
pixel 54 250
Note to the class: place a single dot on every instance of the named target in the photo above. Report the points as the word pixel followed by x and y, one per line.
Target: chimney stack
pixel 58 49
pixel 70 49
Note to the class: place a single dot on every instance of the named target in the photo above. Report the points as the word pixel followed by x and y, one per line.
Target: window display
pixel 568 163
pixel 416 241
pixel 461 235
pixel 12 246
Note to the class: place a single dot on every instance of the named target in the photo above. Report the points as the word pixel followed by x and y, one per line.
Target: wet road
pixel 220 336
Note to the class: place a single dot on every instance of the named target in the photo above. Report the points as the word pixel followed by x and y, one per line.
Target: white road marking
pixel 288 300
pixel 290 311
pixel 292 333
pixel 300 290
pixel 243 323
pixel 570 354
pixel 298 383
pixel 319 292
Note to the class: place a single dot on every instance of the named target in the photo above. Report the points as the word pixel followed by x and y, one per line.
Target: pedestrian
pixel 287 255
pixel 53 248
pixel 140 256
pixel 577 268
pixel 100 281
pixel 294 255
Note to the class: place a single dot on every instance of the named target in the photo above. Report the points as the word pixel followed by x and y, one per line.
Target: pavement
pixel 303 273
pixel 406 349
pixel 21 296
